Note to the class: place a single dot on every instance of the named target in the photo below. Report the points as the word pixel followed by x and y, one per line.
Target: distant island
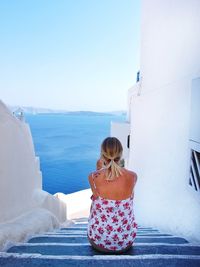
pixel 37 111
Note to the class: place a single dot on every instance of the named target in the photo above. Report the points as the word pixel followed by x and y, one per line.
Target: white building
pixel 164 117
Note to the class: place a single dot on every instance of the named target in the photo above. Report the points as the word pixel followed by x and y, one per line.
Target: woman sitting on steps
pixel 111 224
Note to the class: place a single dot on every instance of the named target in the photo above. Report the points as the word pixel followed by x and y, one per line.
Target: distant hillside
pixel 118 113
pixel 34 111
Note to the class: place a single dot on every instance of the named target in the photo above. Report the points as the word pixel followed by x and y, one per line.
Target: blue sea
pixel 68 146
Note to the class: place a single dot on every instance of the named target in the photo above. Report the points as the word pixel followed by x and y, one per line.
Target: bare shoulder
pixel 132 175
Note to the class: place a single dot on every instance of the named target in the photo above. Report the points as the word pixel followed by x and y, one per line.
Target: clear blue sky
pixel 69 54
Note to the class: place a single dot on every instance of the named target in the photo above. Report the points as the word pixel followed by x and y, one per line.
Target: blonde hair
pixel 111 151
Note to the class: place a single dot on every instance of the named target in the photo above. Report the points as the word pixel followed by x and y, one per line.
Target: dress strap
pixel 95 187
pixel 132 193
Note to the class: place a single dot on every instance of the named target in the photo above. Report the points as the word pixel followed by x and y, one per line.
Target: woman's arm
pixel 91 182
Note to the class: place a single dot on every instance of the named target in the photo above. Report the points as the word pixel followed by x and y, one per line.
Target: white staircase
pixel 70 247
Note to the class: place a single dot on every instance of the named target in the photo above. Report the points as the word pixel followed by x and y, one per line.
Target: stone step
pixel 83 239
pixel 69 246
pixel 86 250
pixel 81 225
pixel 80 220
pixel 85 230
pixel 155 260
pixel 85 234
pixel 76 227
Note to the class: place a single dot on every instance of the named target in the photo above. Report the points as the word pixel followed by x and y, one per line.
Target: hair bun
pixel 111 149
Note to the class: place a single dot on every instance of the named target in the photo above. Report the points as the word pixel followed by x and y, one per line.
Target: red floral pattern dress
pixel 111 224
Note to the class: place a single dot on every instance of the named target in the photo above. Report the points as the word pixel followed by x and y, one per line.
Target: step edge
pixel 98 257
pixel 138 237
pixel 190 245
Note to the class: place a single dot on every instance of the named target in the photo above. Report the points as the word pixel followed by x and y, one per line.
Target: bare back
pixel 119 188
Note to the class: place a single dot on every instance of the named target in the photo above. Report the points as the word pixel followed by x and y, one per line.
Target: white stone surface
pixel 195 112
pixel 78 203
pixel 160 116
pixel 21 182
pixel 23 227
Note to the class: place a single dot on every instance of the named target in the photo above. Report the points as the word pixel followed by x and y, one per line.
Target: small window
pixel 194 180
pixel 128 141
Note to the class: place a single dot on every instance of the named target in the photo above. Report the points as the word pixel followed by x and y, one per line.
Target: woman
pixel 111 224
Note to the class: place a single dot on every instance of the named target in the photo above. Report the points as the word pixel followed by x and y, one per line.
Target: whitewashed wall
pixel 73 200
pixel 21 182
pixel 160 116
pixel 195 112
pixel 19 170
pixel 169 42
